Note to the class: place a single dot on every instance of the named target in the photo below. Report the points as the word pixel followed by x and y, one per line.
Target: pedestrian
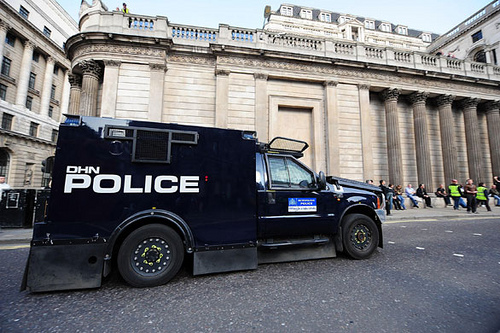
pixel 410 193
pixel 482 196
pixel 495 194
pixel 399 195
pixel 3 186
pixel 388 196
pixel 457 193
pixel 441 193
pixel 124 9
pixel 422 193
pixel 395 199
pixel 470 193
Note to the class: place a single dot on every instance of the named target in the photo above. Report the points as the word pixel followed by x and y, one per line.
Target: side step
pixel 285 250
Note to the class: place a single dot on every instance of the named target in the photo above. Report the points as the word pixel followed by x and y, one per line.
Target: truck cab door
pixel 292 204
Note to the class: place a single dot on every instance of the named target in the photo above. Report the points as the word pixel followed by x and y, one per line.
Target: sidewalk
pixel 23 236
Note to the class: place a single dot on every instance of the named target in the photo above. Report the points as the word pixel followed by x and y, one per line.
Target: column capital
pixel 91 67
pixel 50 60
pixel 330 83
pixel 492 106
pixel 112 63
pixel 418 97
pixel 4 26
pixel 445 100
pixel 75 80
pixel 158 67
pixel 261 76
pixel 391 94
pixel 222 72
pixel 29 45
pixel 363 86
pixel 468 103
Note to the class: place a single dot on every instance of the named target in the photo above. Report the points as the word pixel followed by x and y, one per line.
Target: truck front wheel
pixel 150 256
pixel 360 236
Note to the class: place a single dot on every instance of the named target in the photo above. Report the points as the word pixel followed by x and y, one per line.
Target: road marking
pixel 477 234
pixel 449 231
pixel 391 242
pixel 13 247
pixel 458 255
pixel 420 248
pixel 425 229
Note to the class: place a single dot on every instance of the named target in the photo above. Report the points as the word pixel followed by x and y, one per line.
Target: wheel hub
pixel 151 256
pixel 360 236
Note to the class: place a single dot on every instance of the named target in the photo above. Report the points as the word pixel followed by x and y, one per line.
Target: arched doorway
pixel 480 56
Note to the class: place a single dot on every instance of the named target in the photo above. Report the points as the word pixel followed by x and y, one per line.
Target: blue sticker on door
pixel 301 205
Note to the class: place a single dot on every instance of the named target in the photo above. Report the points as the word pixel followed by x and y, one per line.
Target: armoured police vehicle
pixel 142 197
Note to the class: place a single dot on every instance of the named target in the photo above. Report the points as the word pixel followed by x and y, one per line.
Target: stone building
pixel 368 96
pixel 34 87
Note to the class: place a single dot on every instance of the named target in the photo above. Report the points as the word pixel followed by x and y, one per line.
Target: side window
pixel 288 173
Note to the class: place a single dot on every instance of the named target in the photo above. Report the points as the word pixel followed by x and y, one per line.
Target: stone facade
pixel 367 112
pixel 34 87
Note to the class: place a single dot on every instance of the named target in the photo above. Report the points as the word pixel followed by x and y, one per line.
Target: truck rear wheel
pixel 360 236
pixel 150 256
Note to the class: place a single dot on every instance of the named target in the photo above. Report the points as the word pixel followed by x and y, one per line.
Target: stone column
pixel 110 88
pixel 47 86
pixel 493 120
pixel 422 147
pixel 90 85
pixel 4 28
pixel 221 98
pixel 156 93
pixel 366 130
pixel 448 138
pixel 261 107
pixel 24 75
pixel 332 129
pixel 394 152
pixel 65 97
pixel 473 139
pixel 75 93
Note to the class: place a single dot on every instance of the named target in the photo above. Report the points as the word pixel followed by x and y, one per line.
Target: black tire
pixel 360 236
pixel 150 256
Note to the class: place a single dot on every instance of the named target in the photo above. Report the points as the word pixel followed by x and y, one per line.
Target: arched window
pixel 480 56
pixel 4 162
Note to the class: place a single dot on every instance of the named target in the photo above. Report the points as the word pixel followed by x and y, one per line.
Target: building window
pixel 55 133
pixel 426 38
pixel 46 31
pixel 3 91
pixel 56 70
pixel 7 121
pixel 36 56
pixel 51 111
pixel 31 83
pixel 477 36
pixel 494 54
pixel 369 25
pixel 24 12
pixel 325 17
pixel 402 30
pixel 53 92
pixel 29 102
pixel 480 56
pixel 286 11
pixel 6 66
pixel 33 129
pixel 306 14
pixel 341 19
pixel 386 27
pixel 10 39
pixel 4 162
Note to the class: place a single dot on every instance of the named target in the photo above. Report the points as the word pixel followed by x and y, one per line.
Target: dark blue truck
pixel 142 196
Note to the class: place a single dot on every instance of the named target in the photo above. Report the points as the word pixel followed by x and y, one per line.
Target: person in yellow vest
pixel 124 9
pixel 482 196
pixel 455 191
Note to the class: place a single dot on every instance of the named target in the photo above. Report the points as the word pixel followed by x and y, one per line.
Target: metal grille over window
pixel 285 144
pixel 151 146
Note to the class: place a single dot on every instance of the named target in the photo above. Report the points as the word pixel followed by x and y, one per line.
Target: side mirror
pixel 322 180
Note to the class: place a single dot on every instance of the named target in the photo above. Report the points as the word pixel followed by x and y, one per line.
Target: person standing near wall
pixel 482 196
pixel 470 193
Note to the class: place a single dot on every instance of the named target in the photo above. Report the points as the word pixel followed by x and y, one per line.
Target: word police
pixel 78 177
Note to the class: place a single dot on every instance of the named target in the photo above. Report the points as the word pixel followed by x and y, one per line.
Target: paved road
pixel 432 276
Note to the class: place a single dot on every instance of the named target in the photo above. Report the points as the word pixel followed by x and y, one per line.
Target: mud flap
pixel 62 267
pixel 206 262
